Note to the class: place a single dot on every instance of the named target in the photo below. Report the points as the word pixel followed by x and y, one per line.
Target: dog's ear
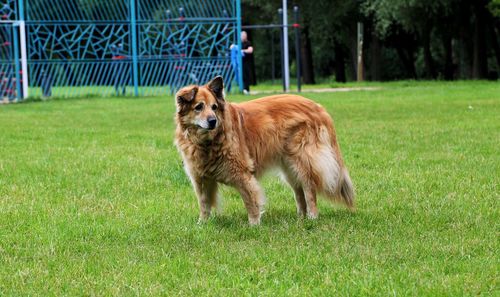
pixel 185 96
pixel 216 85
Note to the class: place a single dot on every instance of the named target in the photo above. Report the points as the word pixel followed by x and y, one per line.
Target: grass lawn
pixel 94 201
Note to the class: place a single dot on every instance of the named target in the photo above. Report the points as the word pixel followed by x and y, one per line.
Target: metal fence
pixel 114 47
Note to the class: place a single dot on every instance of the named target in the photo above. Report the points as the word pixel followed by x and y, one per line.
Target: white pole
pixel 286 69
pixel 24 58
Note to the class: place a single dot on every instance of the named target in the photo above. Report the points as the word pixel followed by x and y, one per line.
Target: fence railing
pixel 114 47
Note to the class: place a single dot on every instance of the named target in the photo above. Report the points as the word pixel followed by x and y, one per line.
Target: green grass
pixel 94 201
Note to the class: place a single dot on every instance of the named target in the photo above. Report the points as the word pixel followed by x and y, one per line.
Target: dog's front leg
pixel 252 197
pixel 206 190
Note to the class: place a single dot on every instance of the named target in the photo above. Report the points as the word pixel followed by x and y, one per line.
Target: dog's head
pixel 201 107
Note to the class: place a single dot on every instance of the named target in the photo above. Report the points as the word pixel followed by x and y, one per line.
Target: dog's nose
pixel 211 123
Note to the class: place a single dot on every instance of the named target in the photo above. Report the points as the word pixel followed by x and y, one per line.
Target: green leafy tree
pixel 436 23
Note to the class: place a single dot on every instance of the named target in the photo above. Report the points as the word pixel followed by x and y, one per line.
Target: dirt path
pixel 322 90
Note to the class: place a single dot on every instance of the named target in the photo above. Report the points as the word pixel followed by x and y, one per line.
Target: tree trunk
pixel 406 56
pixel 465 53
pixel 376 58
pixel 494 41
pixel 480 63
pixel 411 62
pixel 339 63
pixel 464 43
pixel 352 58
pixel 429 62
pixel 448 57
pixel 306 55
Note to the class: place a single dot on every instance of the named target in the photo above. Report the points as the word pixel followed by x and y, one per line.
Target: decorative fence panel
pixel 119 47
pixel 10 66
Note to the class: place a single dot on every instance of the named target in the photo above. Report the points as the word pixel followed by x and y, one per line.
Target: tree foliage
pixel 451 39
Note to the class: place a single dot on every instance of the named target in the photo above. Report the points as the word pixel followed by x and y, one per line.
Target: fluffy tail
pixel 346 189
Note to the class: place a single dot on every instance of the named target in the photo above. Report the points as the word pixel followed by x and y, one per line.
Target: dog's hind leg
pixel 253 198
pixel 310 197
pixel 308 180
pixel 298 191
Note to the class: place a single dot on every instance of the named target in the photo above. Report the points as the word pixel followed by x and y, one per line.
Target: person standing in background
pixel 247 52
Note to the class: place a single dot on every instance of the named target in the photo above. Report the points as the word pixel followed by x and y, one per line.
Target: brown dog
pixel 234 144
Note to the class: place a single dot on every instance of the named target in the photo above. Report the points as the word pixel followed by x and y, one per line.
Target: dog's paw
pixel 254 221
pixel 202 221
pixel 301 213
pixel 312 215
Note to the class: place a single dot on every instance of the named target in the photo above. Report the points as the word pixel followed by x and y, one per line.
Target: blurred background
pixel 406 39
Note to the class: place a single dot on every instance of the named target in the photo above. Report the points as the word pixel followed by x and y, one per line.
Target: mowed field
pixel 94 201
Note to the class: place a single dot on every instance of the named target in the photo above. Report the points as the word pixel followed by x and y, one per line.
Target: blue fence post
pixel 238 33
pixel 21 10
pixel 17 67
pixel 135 68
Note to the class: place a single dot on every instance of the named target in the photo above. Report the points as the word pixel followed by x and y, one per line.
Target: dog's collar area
pixel 205 141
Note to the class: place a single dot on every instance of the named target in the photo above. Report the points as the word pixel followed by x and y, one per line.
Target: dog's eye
pixel 199 107
pixel 214 107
